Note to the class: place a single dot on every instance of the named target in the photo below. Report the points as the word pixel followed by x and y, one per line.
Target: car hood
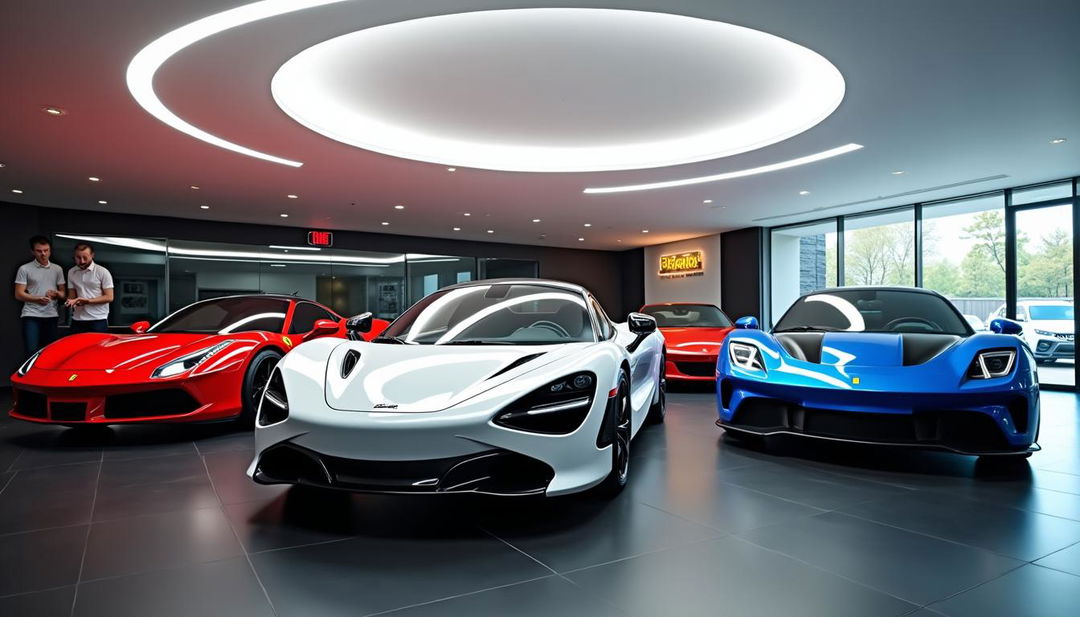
pixel 694 340
pixel 425 378
pixel 1057 326
pixel 120 351
pixel 881 349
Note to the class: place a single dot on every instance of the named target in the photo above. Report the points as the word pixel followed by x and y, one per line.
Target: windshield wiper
pixel 809 329
pixel 390 340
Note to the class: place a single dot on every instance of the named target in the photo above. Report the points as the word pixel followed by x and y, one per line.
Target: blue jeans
pixel 38 332
pixel 93 325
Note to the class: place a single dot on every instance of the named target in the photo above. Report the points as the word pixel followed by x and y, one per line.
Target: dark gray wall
pixel 616 278
pixel 742 272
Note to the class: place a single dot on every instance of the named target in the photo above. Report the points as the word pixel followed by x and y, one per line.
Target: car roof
pixel 922 290
pixel 521 281
pixel 1045 302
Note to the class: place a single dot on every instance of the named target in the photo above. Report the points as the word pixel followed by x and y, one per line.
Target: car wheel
pixel 255 379
pixel 620 444
pixel 658 409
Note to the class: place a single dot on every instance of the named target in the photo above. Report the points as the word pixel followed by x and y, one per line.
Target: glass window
pixel 1044 192
pixel 874 310
pixel 305 315
pixel 964 254
pixel 226 315
pixel 138 268
pixel 497 268
pixel 494 315
pixel 687 316
pixel 430 273
pixel 803 259
pixel 1044 255
pixel 879 249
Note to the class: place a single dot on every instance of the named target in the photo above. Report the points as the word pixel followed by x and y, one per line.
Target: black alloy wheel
pixel 255 380
pixel 620 445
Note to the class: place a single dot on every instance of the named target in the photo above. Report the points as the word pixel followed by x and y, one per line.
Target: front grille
pixel 67 412
pixel 29 404
pixel 171 402
pixel 966 431
pixel 1064 337
pixel 495 471
pixel 697 369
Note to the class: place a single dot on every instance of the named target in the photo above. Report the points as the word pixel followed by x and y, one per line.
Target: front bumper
pixel 690 367
pixel 986 424
pixel 1053 348
pixel 104 398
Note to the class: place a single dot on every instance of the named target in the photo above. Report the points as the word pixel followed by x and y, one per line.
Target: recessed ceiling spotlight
pixel 2 165
pixel 385 223
pixel 292 196
pixel 581 239
pixel 53 111
pixel 399 207
pixel 94 179
pixel 898 172
pixel 284 215
pixel 451 169
pixel 457 229
pixel 17 191
pixel 1055 141
pixel 588 225
pixel 102 202
pixel 536 220
pixel 491 231
pixel 277 265
pixel 644 231
pixel 468 214
pixel 195 187
pixel 205 207
pixel 707 201
pixel 804 192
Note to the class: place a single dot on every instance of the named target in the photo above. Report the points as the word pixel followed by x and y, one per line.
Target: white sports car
pixel 505 387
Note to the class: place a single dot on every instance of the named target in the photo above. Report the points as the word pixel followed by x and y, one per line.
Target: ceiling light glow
pixel 94 179
pixel 53 111
pixel 785 89
pixel 204 207
pixel 102 202
pixel 820 156
pixel 1058 140
pixel 457 229
pixel 399 207
pixel 284 215
pixel 804 192
pixel 536 220
pixel 145 64
pixel 898 172
pixel 17 191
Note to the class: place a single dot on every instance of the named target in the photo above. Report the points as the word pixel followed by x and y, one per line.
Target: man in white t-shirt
pixel 90 290
pixel 38 285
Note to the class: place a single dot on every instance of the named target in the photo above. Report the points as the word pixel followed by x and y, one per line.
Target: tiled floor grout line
pixel 929 605
pixel 1053 569
pixel 86 540
pixel 236 534
pixel 508 543
pixel 460 595
pixel 11 466
pixel 9 480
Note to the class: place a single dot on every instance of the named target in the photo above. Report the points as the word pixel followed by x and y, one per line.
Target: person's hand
pixel 43 300
pixel 75 302
pixel 52 294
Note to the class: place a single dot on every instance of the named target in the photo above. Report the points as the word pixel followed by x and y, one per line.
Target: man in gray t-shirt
pixel 38 285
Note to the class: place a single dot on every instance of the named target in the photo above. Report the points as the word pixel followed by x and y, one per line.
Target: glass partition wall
pixel 996 254
pixel 154 277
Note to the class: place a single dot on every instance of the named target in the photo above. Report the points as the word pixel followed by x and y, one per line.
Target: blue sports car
pixel 883 365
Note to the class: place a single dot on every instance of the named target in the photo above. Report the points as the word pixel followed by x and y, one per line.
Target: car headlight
pixel 1044 332
pixel 188 362
pixel 992 363
pixel 557 408
pixel 746 356
pixel 26 366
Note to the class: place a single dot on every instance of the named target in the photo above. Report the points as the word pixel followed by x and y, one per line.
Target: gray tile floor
pixel 161 521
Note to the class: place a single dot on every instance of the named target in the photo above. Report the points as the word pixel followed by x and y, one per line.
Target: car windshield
pixel 687 316
pixel 873 310
pixel 227 315
pixel 500 314
pixel 1050 312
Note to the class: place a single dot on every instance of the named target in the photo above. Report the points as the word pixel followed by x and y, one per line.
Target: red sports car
pixel 694 333
pixel 207 361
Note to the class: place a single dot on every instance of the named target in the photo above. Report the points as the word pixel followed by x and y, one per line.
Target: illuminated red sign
pixel 320 238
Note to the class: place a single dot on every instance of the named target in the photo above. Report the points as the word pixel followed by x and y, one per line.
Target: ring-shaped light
pixel 558 89
pixel 145 64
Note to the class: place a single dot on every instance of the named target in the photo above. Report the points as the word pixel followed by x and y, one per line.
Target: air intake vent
pixel 352 357
pixel 516 363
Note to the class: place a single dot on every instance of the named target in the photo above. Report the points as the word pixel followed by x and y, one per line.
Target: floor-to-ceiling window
pixel 879 249
pixel 803 260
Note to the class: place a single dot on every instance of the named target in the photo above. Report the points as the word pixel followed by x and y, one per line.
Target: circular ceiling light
pixel 558 89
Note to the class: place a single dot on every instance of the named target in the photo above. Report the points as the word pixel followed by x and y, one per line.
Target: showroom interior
pixel 365 155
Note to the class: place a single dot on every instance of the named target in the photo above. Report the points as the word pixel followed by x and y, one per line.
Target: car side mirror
pixel 359 324
pixel 641 324
pixel 1005 326
pixel 323 327
pixel 140 326
pixel 747 323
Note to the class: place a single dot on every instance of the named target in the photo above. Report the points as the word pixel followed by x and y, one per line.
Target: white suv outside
pixel 1048 328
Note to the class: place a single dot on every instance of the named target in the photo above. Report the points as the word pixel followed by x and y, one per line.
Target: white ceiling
pixel 962 94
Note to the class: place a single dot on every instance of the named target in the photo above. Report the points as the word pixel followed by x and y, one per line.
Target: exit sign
pixel 320 238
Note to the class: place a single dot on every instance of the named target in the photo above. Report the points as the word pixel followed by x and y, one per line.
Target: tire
pixel 658 410
pixel 616 480
pixel 255 378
